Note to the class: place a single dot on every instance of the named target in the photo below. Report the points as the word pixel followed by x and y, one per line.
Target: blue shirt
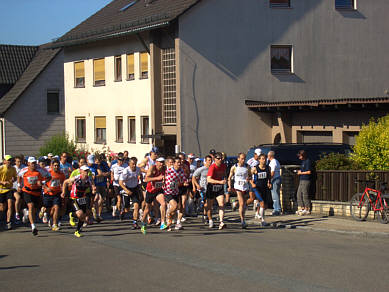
pixel 99 181
pixel 305 166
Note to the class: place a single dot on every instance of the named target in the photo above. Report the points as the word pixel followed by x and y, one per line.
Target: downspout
pixel 2 129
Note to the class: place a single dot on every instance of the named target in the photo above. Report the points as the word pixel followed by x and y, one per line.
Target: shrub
pixel 57 145
pixel 336 161
pixel 371 150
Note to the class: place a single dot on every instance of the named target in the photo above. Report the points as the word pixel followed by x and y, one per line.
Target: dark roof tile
pixel 13 61
pixel 42 58
pixel 111 21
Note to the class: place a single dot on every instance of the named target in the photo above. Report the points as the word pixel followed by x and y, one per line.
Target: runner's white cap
pixel 31 159
pixel 50 155
pixel 258 151
pixel 160 159
pixel 91 158
pixel 191 156
pixel 84 167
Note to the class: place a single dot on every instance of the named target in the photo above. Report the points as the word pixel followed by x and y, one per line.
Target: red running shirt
pixel 217 173
pixel 55 184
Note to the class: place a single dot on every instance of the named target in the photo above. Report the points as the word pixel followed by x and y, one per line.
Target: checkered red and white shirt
pixel 173 179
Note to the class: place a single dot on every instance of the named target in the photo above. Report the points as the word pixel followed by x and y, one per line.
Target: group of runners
pixel 155 190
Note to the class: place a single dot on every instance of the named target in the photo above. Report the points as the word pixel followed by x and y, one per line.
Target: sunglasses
pixel 218 158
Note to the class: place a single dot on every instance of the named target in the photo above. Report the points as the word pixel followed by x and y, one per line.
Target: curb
pixel 363 234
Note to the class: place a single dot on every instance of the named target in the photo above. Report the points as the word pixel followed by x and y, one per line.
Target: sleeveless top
pixel 240 178
pixel 155 186
pixel 80 187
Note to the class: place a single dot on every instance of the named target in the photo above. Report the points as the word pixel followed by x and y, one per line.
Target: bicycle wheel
pixel 383 215
pixel 359 209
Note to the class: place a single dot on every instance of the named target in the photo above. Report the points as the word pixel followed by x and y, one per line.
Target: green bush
pixel 336 161
pixel 371 150
pixel 57 145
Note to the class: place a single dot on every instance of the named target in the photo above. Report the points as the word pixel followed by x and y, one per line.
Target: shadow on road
pixel 19 267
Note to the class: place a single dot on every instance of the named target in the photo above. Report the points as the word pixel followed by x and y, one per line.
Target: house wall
pixel 27 124
pixel 124 98
pixel 226 59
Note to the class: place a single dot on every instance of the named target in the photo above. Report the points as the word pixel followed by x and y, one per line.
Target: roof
pixel 320 104
pixel 113 21
pixel 13 61
pixel 42 58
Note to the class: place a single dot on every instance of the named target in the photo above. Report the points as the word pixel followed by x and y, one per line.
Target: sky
pixel 36 22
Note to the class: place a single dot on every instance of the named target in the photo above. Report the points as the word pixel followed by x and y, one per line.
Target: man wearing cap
pixel 154 192
pixel 7 177
pixel 33 179
pixel 80 202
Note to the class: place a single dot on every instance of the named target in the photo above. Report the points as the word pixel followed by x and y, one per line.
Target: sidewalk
pixel 329 224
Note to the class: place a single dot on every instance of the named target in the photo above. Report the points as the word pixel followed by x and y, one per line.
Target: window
pixel 80 129
pixel 279 3
pixel 145 129
pixel 130 67
pixel 281 59
pixel 79 74
pixel 118 68
pixel 168 66
pixel 99 72
pixel 119 129
pixel 100 130
pixel 131 130
pixel 345 4
pixel 314 136
pixel 144 65
pixel 53 102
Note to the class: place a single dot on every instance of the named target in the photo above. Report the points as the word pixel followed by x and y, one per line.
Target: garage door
pixel 316 136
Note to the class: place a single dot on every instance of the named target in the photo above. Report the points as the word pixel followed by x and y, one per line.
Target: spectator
pixel 303 200
pixel 276 183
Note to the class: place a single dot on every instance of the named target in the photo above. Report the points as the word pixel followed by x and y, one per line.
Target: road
pixel 111 257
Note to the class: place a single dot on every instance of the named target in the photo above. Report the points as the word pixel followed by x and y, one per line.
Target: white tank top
pixel 240 179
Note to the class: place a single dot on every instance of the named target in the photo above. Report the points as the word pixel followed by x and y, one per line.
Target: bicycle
pixel 370 199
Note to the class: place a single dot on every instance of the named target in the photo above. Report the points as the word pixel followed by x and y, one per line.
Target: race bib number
pixel 99 179
pixel 81 201
pixel 262 175
pixel 158 185
pixel 55 183
pixel 216 188
pixel 241 182
pixel 32 180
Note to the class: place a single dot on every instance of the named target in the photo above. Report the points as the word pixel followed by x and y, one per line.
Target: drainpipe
pixel 2 135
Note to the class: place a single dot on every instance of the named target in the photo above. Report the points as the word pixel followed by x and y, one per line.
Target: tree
pixel 57 145
pixel 371 150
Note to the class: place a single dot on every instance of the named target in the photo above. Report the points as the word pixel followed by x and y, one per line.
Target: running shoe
pixel 234 205
pixel 134 226
pixel 143 229
pixel 85 224
pixel 44 219
pixel 205 220
pixel 49 223
pixel 210 224
pixel 163 226
pixel 9 226
pixel 98 219
pixel 71 220
pixel 178 227
pixel 264 223
pixel 55 228
pixel 222 225
pixel 59 223
pixel 35 232
pixel 121 216
pixel 149 220
pixel 77 234
pixel 244 225
pixel 158 222
pixel 17 218
pixel 41 213
pixel 257 216
pixel 183 219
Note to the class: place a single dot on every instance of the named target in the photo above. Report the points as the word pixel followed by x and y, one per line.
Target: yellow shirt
pixel 6 174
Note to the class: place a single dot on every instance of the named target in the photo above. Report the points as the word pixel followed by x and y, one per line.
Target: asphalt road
pixel 111 257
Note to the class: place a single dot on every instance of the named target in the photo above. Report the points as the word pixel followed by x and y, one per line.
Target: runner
pixel 80 184
pixel 33 178
pixel 276 182
pixel 52 194
pixel 129 182
pixel 116 171
pixel 215 189
pixel 183 190
pixel 18 198
pixel 144 165
pixel 100 176
pixel 261 184
pixel 7 177
pixel 241 174
pixel 190 206
pixel 174 178
pixel 201 175
pixel 154 179
pixel 253 162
